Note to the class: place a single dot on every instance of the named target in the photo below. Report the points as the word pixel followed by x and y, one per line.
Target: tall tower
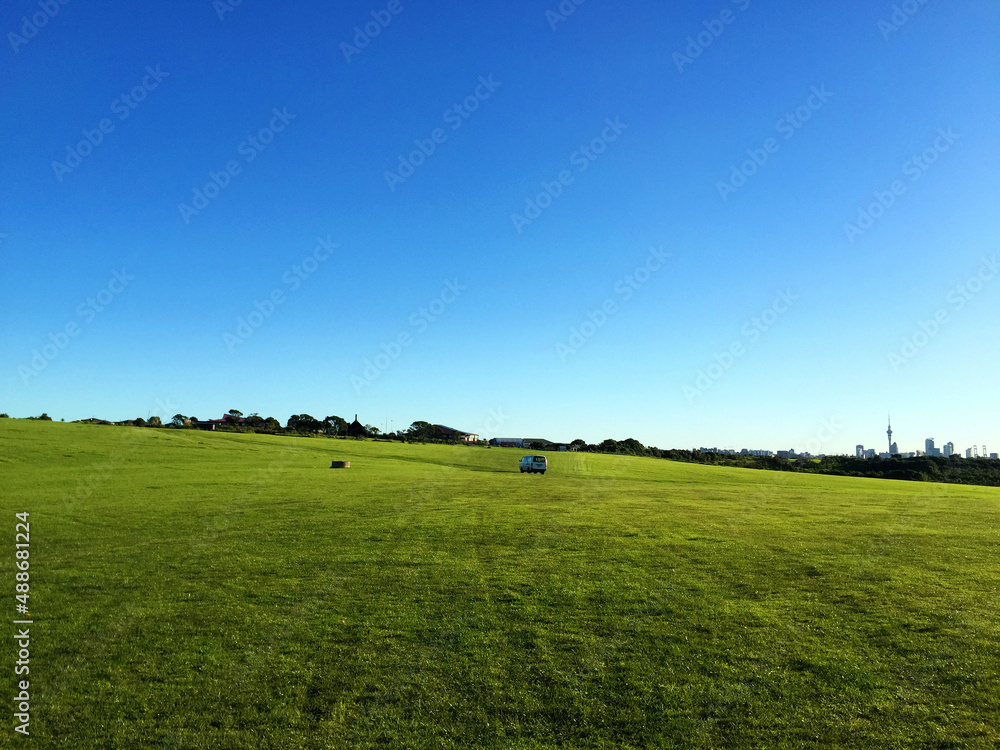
pixel 889 433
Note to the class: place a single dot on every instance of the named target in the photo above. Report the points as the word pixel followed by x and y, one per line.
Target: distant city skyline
pixel 930 449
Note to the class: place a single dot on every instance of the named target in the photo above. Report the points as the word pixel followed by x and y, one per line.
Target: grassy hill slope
pixel 196 590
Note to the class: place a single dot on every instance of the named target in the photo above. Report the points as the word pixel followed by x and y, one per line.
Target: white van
pixel 531 464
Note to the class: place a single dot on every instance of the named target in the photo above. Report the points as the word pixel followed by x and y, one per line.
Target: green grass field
pixel 196 590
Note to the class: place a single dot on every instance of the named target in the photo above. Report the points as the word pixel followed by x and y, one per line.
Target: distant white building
pixel 467 437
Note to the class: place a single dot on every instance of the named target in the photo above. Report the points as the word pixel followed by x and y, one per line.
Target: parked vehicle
pixel 533 464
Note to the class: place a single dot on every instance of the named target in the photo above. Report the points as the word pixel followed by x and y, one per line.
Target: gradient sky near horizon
pixel 558 329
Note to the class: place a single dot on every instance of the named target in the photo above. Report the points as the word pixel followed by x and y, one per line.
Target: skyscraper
pixel 892 450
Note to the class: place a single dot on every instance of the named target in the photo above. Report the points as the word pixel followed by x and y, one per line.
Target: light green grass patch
pixel 199 590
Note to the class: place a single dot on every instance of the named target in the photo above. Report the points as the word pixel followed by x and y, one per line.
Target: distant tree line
pixel 951 470
pixel 297 424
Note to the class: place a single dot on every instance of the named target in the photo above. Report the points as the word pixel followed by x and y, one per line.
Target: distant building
pixel 929 449
pixel 213 424
pixel 538 441
pixel 467 437
pixel 893 449
pixel 734 452
pixel 949 449
pixel 356 429
pixel 968 452
pixel 995 456
pixel 861 452
pixel 507 442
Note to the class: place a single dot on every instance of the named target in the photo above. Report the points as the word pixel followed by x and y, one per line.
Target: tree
pixel 178 420
pixel 608 446
pixel 271 424
pixel 255 421
pixel 154 422
pixel 233 417
pixel 632 447
pixel 5 415
pixel 373 431
pixel 335 425
pixel 303 423
pixel 421 430
pixel 139 422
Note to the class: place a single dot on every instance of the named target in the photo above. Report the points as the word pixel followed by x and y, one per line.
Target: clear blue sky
pixel 864 100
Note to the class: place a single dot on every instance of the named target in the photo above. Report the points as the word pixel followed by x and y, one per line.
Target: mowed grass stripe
pixel 225 590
